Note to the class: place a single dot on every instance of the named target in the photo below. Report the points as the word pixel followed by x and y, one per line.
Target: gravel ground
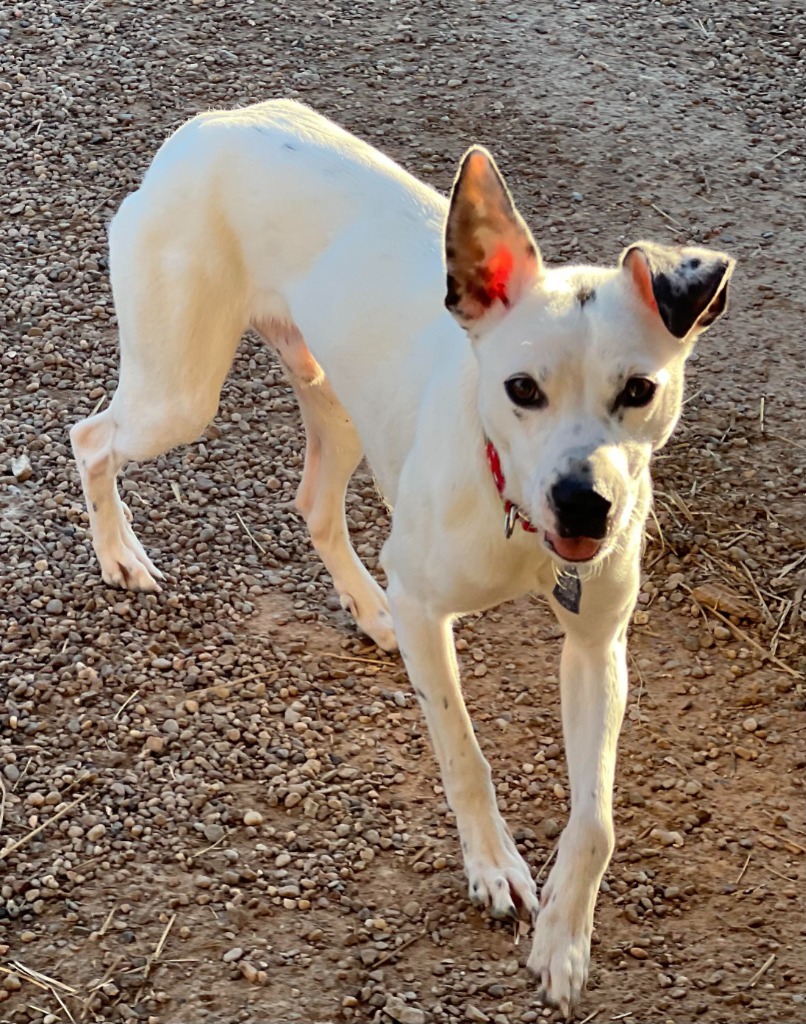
pixel 220 804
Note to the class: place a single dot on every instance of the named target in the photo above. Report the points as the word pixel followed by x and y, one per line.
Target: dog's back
pixel 287 223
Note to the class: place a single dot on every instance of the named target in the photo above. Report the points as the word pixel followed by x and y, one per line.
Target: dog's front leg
pixel 593 681
pixel 498 877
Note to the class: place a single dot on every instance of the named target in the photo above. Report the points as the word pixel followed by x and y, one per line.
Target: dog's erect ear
pixel 687 288
pixel 489 252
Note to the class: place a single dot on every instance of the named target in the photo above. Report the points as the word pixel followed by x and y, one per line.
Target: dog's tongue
pixel 574 549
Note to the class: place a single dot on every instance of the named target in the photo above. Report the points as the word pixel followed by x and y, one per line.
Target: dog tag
pixel 568 591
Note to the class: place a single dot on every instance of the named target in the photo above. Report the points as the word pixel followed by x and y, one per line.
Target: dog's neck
pixel 512 513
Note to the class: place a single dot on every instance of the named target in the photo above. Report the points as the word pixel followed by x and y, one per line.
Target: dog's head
pixel 580 368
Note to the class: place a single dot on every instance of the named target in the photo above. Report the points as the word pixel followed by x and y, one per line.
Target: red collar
pixel 512 514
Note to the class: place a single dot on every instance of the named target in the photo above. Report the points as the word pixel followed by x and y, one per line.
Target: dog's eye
pixel 637 392
pixel 524 391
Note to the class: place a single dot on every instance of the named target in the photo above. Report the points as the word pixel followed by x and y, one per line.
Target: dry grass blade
pixel 779 628
pixel 740 633
pixel 125 704
pixel 666 216
pixel 762 970
pixel 272 672
pixel 744 868
pixel 788 440
pixel 547 861
pixel 681 505
pixel 787 569
pixel 396 952
pixel 355 657
pixel 765 611
pixel 63 1005
pixel 40 828
pixel 8 521
pixel 16 973
pixel 2 803
pixel 249 534
pixel 160 946
pixel 107 922
pixel 44 980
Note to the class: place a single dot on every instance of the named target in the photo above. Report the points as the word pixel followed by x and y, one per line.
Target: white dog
pixel 513 437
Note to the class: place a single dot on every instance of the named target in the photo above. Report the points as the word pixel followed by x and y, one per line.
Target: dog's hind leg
pixel 179 328
pixel 333 451
pixel 140 423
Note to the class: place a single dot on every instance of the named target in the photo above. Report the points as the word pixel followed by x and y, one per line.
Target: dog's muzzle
pixel 581 515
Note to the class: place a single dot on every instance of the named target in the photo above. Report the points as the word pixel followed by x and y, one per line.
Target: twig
pixel 762 970
pixel 2 803
pixel 664 214
pixel 590 1016
pixel 107 922
pixel 784 839
pixel 547 861
pixel 764 606
pixel 740 633
pixel 212 846
pixel 28 536
pixel 242 679
pixel 778 155
pixel 39 828
pixel 405 945
pixel 249 534
pixel 354 657
pixel 761 414
pixel 160 946
pixel 43 979
pixel 692 397
pixel 23 773
pixel 786 878
pixel 8 970
pixel 63 1005
pixel 788 440
pixel 774 642
pixel 124 705
pixel 787 569
pixel 744 868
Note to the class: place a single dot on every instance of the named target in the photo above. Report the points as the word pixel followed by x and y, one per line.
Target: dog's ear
pixel 489 252
pixel 686 287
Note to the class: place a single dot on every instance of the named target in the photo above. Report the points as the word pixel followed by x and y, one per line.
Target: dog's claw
pixel 377 624
pixel 501 883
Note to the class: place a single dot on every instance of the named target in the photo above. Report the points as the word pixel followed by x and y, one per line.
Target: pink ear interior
pixel 641 275
pixel 499 268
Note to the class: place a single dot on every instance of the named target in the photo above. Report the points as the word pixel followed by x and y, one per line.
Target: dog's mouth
pixel 573 549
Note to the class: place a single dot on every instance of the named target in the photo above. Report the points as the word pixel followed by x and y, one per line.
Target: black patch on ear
pixel 681 301
pixel 452 295
pixel 715 310
pixel 690 285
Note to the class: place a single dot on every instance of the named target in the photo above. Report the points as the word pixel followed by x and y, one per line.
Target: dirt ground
pixel 138 732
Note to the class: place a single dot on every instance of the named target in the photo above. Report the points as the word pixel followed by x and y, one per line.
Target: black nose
pixel 580 511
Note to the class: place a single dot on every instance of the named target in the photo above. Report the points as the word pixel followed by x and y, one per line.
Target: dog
pixel 508 410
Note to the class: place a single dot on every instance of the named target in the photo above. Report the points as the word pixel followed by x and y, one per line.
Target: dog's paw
pixel 374 619
pixel 559 959
pixel 499 880
pixel 127 565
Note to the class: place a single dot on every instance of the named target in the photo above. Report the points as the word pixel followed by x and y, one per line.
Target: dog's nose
pixel 580 510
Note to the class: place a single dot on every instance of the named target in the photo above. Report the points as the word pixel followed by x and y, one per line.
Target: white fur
pixel 274 218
